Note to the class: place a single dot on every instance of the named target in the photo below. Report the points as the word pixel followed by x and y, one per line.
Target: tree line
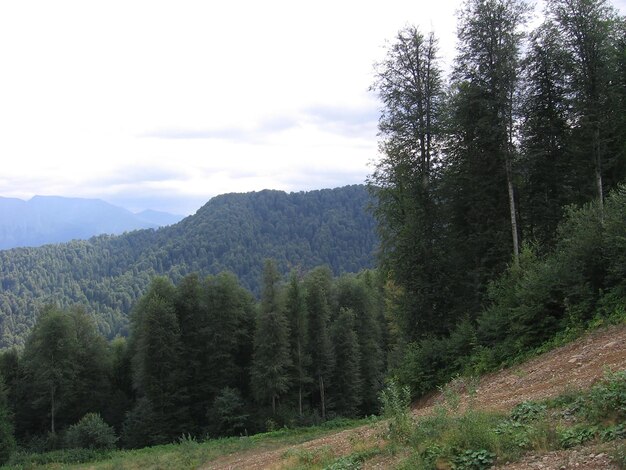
pixel 204 358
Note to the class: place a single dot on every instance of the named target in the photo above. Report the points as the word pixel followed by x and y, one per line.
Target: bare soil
pixel 575 366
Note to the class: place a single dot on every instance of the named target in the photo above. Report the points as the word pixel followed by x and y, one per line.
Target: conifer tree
pixel 347 383
pixel 271 362
pixel 295 309
pixel 320 347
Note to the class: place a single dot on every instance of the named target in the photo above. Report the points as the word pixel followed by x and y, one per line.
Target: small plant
pixel 614 432
pixel 395 402
pixel 571 437
pixel 474 460
pixel 607 399
pixel 528 411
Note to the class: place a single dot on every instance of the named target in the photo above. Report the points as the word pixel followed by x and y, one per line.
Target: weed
pixel 474 460
pixel 575 436
pixel 528 411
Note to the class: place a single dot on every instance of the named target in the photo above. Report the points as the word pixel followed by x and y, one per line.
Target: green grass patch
pixel 185 454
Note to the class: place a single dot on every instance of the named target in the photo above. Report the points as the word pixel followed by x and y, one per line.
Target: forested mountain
pixel 233 232
pixel 53 219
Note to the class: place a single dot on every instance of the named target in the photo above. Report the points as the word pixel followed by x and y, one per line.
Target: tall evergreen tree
pixel 347 383
pixel 550 180
pixel 358 295
pixel 295 310
pixel 481 151
pixel 157 361
pixel 320 347
pixel 588 31
pixel 271 362
pixel 408 83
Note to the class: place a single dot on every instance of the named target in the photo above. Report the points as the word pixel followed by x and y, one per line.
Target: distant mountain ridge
pixel 54 219
pixel 232 232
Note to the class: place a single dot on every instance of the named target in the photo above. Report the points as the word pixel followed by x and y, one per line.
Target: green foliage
pixel 395 405
pixel 91 432
pixel 474 460
pixel 528 411
pixel 234 232
pixel 21 460
pixel 606 401
pixel 7 439
pixel 227 416
pixel 577 435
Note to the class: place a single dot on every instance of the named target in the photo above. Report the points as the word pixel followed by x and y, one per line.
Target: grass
pixel 186 454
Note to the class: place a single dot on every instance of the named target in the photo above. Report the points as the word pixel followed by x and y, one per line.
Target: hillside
pixel 52 219
pixel 573 367
pixel 233 232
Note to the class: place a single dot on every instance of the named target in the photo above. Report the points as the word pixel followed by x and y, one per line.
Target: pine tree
pixel 347 383
pixel 295 310
pixel 320 347
pixel 271 362
pixel 157 361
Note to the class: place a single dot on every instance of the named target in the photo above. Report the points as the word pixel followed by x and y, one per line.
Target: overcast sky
pixel 162 105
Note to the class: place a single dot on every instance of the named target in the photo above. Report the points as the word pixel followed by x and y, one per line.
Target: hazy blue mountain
pixel 158 218
pixel 232 232
pixel 53 219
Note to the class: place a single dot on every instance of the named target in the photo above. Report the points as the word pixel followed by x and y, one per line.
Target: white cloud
pixel 189 99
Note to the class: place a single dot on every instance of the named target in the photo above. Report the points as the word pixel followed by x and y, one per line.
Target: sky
pixel 165 104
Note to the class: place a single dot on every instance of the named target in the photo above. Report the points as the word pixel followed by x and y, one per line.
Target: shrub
pixel 91 432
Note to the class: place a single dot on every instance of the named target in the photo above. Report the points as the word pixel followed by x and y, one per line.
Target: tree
pixel 587 29
pixel 48 355
pixel 157 360
pixel 359 295
pixel 271 361
pixel 295 310
pixel 320 348
pixel 347 383
pixel 405 180
pixel 550 171
pixel 490 41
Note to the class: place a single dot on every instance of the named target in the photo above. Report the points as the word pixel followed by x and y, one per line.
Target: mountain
pixel 54 219
pixel 232 232
pixel 158 218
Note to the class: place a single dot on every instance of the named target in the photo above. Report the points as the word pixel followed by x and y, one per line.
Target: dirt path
pixel 575 366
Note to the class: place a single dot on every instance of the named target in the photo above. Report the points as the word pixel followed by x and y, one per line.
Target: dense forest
pixel 500 204
pixel 202 358
pixel 233 232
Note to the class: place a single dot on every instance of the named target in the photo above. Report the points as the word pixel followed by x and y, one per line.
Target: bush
pixel 91 432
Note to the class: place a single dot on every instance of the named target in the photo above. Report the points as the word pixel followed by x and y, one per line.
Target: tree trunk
pixel 509 181
pixel 52 409
pixel 322 397
pixel 598 167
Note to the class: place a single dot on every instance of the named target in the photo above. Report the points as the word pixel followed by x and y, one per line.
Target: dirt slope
pixel 575 366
